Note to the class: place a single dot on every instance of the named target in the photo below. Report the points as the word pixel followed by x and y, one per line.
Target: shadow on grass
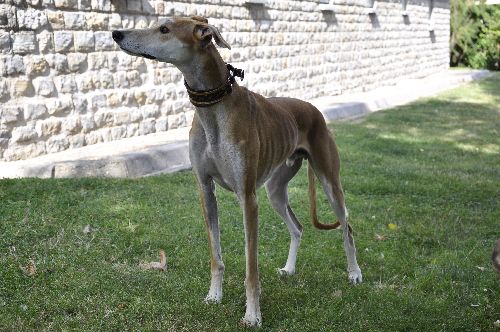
pixel 430 168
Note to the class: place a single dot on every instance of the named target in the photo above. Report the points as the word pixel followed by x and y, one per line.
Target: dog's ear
pixel 205 33
pixel 199 19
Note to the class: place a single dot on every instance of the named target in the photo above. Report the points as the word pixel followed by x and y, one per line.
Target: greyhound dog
pixel 241 140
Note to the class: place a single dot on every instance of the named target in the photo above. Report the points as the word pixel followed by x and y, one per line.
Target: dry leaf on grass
pixel 30 269
pixel 161 265
pixel 379 237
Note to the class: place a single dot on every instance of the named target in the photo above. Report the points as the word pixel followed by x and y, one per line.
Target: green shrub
pixel 475 34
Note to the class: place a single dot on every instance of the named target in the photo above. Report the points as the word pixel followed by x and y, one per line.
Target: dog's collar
pixel 206 98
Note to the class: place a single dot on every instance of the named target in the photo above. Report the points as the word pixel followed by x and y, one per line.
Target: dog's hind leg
pixel 325 161
pixel 209 206
pixel 276 188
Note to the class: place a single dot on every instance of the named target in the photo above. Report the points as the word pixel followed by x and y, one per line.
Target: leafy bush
pixel 475 34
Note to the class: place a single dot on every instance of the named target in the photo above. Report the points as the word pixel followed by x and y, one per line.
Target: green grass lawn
pixel 432 168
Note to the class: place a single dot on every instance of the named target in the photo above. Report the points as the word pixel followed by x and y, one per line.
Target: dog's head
pixel 174 40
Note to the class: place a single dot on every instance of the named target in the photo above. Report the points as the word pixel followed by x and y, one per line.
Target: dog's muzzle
pixel 118 37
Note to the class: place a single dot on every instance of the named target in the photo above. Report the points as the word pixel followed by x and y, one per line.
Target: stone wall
pixel 64 84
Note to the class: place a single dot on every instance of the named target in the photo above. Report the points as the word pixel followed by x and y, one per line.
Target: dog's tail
pixel 312 203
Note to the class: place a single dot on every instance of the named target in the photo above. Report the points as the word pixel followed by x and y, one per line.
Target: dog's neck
pixel 206 71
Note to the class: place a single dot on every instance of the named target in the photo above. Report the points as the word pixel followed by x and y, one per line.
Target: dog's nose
pixel 117 35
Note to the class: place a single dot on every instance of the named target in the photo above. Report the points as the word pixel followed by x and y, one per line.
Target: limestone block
pixel 4 88
pixel 84 41
pixel 45 42
pixel 59 62
pixel 5 42
pixel 104 118
pixel 74 21
pixel 101 5
pixel 97 21
pixel 139 64
pixel 113 61
pixel 21 87
pixel 35 111
pixel 115 21
pixel 147 127
pixel 56 19
pixel 127 21
pixel 103 41
pixel 80 103
pixel 134 78
pixel 132 129
pixel 36 66
pixel 63 41
pixel 48 127
pixel 150 111
pixel 7 17
pixel 84 5
pixel 44 86
pixel 161 124
pixel 116 98
pixel 60 106
pixel 121 116
pixel 31 19
pixel 120 79
pixel 118 132
pixel 47 3
pixel 118 5
pixel 77 62
pixel 97 102
pixel 10 114
pixel 23 134
pixel 71 125
pixel 147 7
pixel 103 79
pixel 65 83
pixel 135 115
pixel 70 4
pixel 105 134
pixel 97 61
pixel 12 65
pixel 134 5
pixel 141 22
pixel 21 152
pixel 85 82
pixel 140 97
pixel 24 42
pixel 87 122
pixel 57 143
pixel 76 141
pixel 176 121
pixel 93 137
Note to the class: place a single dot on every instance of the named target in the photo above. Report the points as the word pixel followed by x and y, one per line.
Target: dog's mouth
pixel 147 56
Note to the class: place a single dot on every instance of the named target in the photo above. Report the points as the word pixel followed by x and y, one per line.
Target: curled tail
pixel 312 203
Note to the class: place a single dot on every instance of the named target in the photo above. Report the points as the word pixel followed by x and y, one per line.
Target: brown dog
pixel 242 140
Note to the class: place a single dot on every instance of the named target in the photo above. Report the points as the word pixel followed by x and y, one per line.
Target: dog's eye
pixel 164 29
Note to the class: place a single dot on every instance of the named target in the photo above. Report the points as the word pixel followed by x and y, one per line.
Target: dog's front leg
pixel 209 206
pixel 249 206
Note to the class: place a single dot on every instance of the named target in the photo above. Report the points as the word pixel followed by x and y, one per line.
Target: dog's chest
pixel 214 150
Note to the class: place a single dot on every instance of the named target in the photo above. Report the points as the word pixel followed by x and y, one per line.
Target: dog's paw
pixel 251 321
pixel 355 276
pixel 215 297
pixel 285 272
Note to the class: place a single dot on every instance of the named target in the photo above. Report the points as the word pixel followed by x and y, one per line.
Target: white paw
pixel 251 320
pixel 355 276
pixel 213 297
pixel 286 272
